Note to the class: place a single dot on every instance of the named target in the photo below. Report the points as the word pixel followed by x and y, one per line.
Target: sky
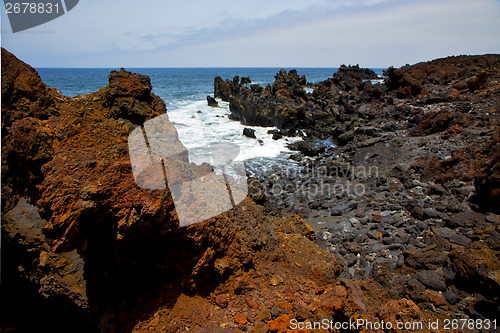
pixel 258 33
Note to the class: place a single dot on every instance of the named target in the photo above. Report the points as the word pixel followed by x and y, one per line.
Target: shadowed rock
pixel 212 102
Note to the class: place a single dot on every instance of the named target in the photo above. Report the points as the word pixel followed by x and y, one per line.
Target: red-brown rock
pixel 477 269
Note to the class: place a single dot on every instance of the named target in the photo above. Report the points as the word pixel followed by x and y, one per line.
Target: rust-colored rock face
pixel 23 92
pixel 67 160
pixel 433 123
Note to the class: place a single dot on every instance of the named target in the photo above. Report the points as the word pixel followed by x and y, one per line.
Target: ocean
pixel 184 91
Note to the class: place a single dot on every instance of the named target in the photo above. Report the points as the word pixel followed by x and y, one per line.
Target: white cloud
pixel 96 26
pixel 260 33
pixel 398 34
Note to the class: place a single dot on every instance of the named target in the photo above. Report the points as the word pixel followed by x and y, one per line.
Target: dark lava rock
pixel 342 227
pixel 451 296
pixel 212 102
pixel 436 189
pixel 350 77
pixel 431 213
pixel 428 258
pixel 126 84
pixel 128 96
pixel 368 130
pixel 248 132
pixel 466 219
pixel 277 136
pixel 223 89
pixel 353 247
pixel 245 80
pixel 488 185
pixel 345 138
pixel 452 236
pixel 403 83
pixel 342 209
pixel 309 147
pixel 351 259
pixel 434 279
pixel 288 79
pixel 284 104
pixel 255 88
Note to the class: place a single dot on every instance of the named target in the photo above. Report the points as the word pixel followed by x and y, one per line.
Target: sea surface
pixel 184 91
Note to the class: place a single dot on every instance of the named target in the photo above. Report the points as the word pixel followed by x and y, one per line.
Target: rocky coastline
pixel 393 215
pixel 409 193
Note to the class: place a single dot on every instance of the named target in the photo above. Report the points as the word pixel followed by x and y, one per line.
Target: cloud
pixel 117 25
pixel 379 36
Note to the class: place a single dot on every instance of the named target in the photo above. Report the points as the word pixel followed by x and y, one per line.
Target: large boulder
pixel 403 83
pixel 249 133
pixel 433 122
pixel 128 96
pixel 126 84
pixel 212 102
pixel 477 269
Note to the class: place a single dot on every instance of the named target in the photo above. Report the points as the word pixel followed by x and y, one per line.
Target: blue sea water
pixel 184 91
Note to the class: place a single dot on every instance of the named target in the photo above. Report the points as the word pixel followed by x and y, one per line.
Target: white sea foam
pixel 200 125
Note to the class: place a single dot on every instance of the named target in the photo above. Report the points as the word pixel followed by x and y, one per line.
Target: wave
pixel 199 125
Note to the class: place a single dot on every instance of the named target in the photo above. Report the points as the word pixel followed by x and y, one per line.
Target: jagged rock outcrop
pixel 403 83
pixel 23 92
pixel 128 96
pixel 462 73
pixel 245 80
pixel 349 77
pixel 286 105
pixel 283 104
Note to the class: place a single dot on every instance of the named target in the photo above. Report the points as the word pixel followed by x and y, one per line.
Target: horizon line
pixel 204 67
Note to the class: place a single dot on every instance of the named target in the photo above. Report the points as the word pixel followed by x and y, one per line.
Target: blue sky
pixel 258 33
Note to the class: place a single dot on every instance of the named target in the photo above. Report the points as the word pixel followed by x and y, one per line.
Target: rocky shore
pixel 395 222
pixel 409 194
